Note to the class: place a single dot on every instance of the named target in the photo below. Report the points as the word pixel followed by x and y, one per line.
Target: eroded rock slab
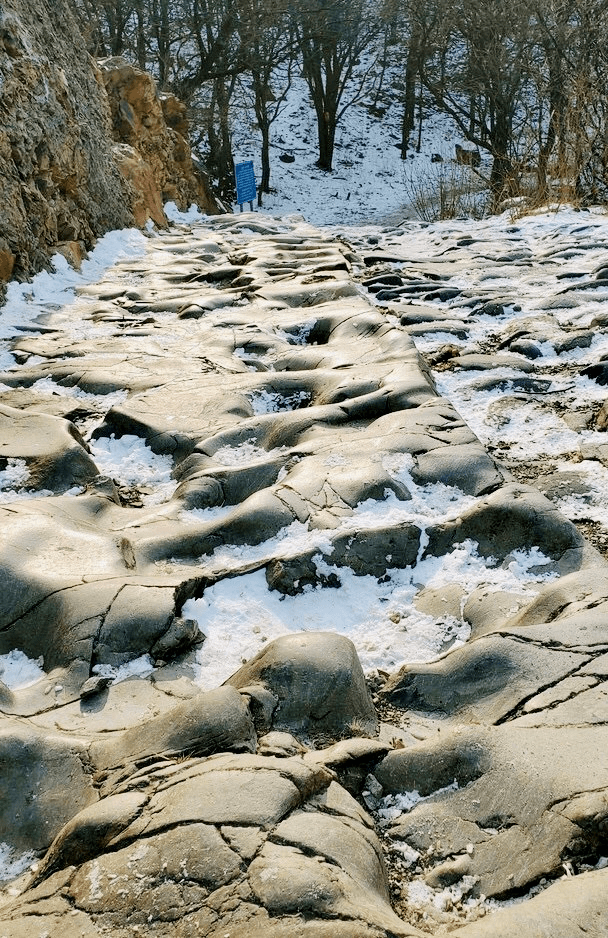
pixel 258 469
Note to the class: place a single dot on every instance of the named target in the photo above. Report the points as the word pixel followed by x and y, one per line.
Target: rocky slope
pixel 152 150
pixel 311 455
pixel 64 179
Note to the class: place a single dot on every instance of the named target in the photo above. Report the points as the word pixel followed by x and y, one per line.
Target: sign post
pixel 245 183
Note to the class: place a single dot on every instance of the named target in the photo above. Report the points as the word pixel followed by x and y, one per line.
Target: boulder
pixel 317 682
pixel 55 455
pixel 158 161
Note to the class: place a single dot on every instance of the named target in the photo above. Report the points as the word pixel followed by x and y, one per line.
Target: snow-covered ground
pixel 369 182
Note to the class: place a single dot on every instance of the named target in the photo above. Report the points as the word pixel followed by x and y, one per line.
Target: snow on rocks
pixel 539 278
pixel 17 670
pixel 278 494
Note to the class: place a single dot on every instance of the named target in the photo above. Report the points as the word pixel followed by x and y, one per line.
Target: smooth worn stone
pixel 418 768
pixel 319 683
pixel 297 926
pixel 372 552
pixel 46 781
pixel 483 681
pixel 288 882
pixel 527 347
pixel 253 797
pixel 138 619
pixel 352 847
pixel 468 468
pixel 168 873
pixel 515 517
pixel 571 903
pixel 209 722
pixel 90 831
pixel 477 362
pixel 279 744
pixel 521 787
pixel 54 453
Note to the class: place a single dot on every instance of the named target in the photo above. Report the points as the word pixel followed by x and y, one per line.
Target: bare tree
pixel 267 52
pixel 332 36
pixel 481 75
pixel 107 24
pixel 417 21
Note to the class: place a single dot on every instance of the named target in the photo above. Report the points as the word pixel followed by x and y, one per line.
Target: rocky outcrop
pixel 58 179
pixel 152 151
pixel 62 182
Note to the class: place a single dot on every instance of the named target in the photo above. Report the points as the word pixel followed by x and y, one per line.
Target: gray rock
pixel 181 634
pixel 94 685
pixel 515 517
pixel 519 784
pixel 139 619
pixel 90 831
pixel 527 347
pixel 483 681
pixel 468 468
pixel 213 722
pixel 55 454
pixel 45 783
pixel 576 902
pixel 319 683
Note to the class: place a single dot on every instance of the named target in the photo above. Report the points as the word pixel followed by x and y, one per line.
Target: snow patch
pixel 15 475
pixel 403 802
pixel 189 217
pixel 48 388
pixel 239 615
pixel 271 402
pixel 13 863
pixel 18 671
pixel 244 454
pixel 137 667
pixel 130 461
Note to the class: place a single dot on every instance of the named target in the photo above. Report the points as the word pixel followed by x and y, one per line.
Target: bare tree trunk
pixel 222 153
pixel 141 35
pixel 265 180
pixel 502 167
pixel 327 132
pixel 408 119
pixel 162 32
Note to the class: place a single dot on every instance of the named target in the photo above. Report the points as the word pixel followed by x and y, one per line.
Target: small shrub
pixel 448 190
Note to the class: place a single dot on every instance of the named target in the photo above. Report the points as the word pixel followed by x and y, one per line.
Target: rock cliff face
pixel 152 151
pixel 58 179
pixel 67 175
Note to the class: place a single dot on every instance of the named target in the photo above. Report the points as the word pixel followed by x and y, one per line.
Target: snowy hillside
pixel 370 182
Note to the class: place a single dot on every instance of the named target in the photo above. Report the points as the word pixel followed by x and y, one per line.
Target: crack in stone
pixel 516 710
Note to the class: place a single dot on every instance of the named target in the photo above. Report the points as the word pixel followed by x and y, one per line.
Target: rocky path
pixel 287 650
pixel 511 315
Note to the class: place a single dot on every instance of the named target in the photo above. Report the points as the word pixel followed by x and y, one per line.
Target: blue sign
pixel 245 182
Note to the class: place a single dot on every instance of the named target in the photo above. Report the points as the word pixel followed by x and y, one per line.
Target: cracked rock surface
pixel 304 658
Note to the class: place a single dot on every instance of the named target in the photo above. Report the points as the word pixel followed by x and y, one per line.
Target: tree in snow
pixel 332 36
